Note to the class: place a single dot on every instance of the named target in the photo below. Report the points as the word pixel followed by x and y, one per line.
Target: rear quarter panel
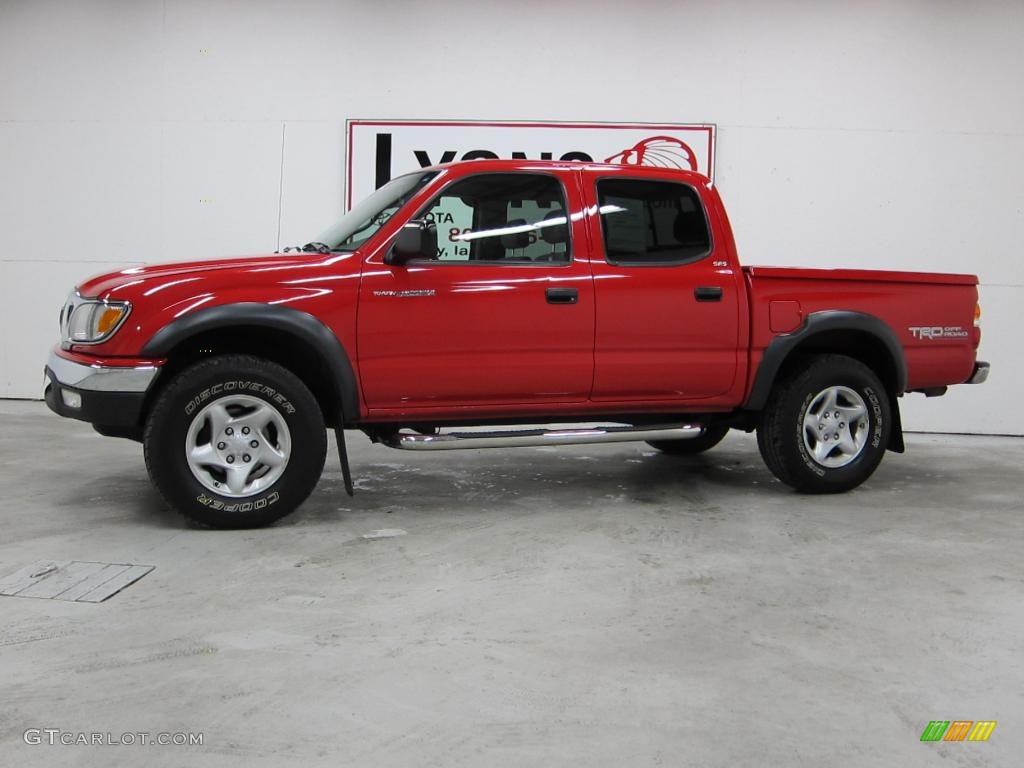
pixel 932 315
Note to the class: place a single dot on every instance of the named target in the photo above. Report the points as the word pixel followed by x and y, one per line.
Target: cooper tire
pixel 706 440
pixel 235 442
pixel 826 425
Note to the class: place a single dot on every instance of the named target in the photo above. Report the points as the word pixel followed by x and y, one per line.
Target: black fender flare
pixel 782 346
pixel 301 325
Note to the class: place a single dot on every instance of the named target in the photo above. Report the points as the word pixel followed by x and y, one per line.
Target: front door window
pixel 501 218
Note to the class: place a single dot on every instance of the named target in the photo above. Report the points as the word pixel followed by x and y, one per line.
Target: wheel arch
pixel 289 337
pixel 858 335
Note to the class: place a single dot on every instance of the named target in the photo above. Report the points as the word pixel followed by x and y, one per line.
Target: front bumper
pixel 980 373
pixel 105 395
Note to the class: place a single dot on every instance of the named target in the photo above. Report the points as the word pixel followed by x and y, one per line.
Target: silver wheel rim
pixel 238 446
pixel 836 427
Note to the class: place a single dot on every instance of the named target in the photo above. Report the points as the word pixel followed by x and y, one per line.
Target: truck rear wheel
pixel 706 440
pixel 826 426
pixel 235 442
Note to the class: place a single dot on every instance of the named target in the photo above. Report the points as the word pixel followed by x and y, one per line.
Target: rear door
pixel 667 305
pixel 503 316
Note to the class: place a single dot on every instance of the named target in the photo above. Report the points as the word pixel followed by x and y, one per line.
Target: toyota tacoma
pixel 462 305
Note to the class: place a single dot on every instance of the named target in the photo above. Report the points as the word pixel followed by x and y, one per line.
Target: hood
pixel 323 285
pixel 114 285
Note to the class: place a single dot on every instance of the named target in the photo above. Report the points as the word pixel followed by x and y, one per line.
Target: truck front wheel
pixel 235 442
pixel 826 425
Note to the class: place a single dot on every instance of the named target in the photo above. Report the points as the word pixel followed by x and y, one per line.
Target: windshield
pixel 362 222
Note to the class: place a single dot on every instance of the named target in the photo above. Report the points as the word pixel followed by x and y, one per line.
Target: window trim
pixel 500 262
pixel 677 263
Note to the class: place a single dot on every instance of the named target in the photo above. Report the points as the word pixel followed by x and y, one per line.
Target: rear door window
pixel 652 222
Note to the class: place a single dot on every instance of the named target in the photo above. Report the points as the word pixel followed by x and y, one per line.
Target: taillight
pixel 977 315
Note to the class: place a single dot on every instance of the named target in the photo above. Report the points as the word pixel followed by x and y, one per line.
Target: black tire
pixel 781 438
pixel 706 440
pixel 230 380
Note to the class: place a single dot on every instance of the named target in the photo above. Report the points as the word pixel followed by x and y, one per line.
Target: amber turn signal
pixel 108 320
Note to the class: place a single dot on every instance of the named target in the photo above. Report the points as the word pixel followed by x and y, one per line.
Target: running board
pixel 538 437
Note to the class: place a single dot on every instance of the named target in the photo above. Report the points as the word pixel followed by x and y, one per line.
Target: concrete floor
pixel 596 605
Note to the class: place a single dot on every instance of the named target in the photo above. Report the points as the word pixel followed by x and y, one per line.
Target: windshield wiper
pixel 319 248
pixel 307 248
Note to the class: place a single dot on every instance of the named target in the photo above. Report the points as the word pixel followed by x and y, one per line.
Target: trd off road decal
pixel 935 332
pixel 239 386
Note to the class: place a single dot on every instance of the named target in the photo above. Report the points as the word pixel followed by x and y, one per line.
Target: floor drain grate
pixel 74 580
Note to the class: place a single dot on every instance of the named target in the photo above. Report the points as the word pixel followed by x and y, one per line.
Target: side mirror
pixel 416 240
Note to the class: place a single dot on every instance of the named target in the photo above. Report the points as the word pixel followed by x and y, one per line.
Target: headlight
pixel 90 321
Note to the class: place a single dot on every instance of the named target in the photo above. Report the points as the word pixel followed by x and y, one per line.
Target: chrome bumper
pixel 980 373
pixel 98 378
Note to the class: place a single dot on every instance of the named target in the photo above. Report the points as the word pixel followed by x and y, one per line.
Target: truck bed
pixel 931 315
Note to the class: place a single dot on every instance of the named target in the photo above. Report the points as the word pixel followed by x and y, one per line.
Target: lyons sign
pixel 378 150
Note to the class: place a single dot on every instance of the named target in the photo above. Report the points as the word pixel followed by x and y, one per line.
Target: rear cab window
pixel 653 223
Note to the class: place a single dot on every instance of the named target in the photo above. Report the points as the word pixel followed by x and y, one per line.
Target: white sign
pixel 379 150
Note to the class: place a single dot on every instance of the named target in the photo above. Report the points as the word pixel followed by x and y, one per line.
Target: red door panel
pixel 437 335
pixel 663 331
pixel 658 342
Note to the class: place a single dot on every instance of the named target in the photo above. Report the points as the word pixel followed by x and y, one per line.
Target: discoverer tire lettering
pixel 243 384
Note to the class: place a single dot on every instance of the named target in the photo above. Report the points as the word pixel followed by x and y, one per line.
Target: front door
pixel 502 317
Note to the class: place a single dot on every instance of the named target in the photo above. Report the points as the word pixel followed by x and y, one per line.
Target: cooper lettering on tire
pixel 235 442
pixel 826 425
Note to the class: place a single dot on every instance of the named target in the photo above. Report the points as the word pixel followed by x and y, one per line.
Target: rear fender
pixel 817 324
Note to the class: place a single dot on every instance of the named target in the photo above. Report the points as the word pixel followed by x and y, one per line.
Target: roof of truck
pixel 491 164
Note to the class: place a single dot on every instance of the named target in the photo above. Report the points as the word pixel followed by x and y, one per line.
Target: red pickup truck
pixel 495 295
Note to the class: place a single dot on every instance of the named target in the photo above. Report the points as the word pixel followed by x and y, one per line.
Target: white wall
pixel 875 134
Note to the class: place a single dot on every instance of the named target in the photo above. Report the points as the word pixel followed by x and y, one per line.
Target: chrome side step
pixel 538 437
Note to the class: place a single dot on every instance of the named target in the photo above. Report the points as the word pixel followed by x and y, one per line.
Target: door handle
pixel 562 295
pixel 707 293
